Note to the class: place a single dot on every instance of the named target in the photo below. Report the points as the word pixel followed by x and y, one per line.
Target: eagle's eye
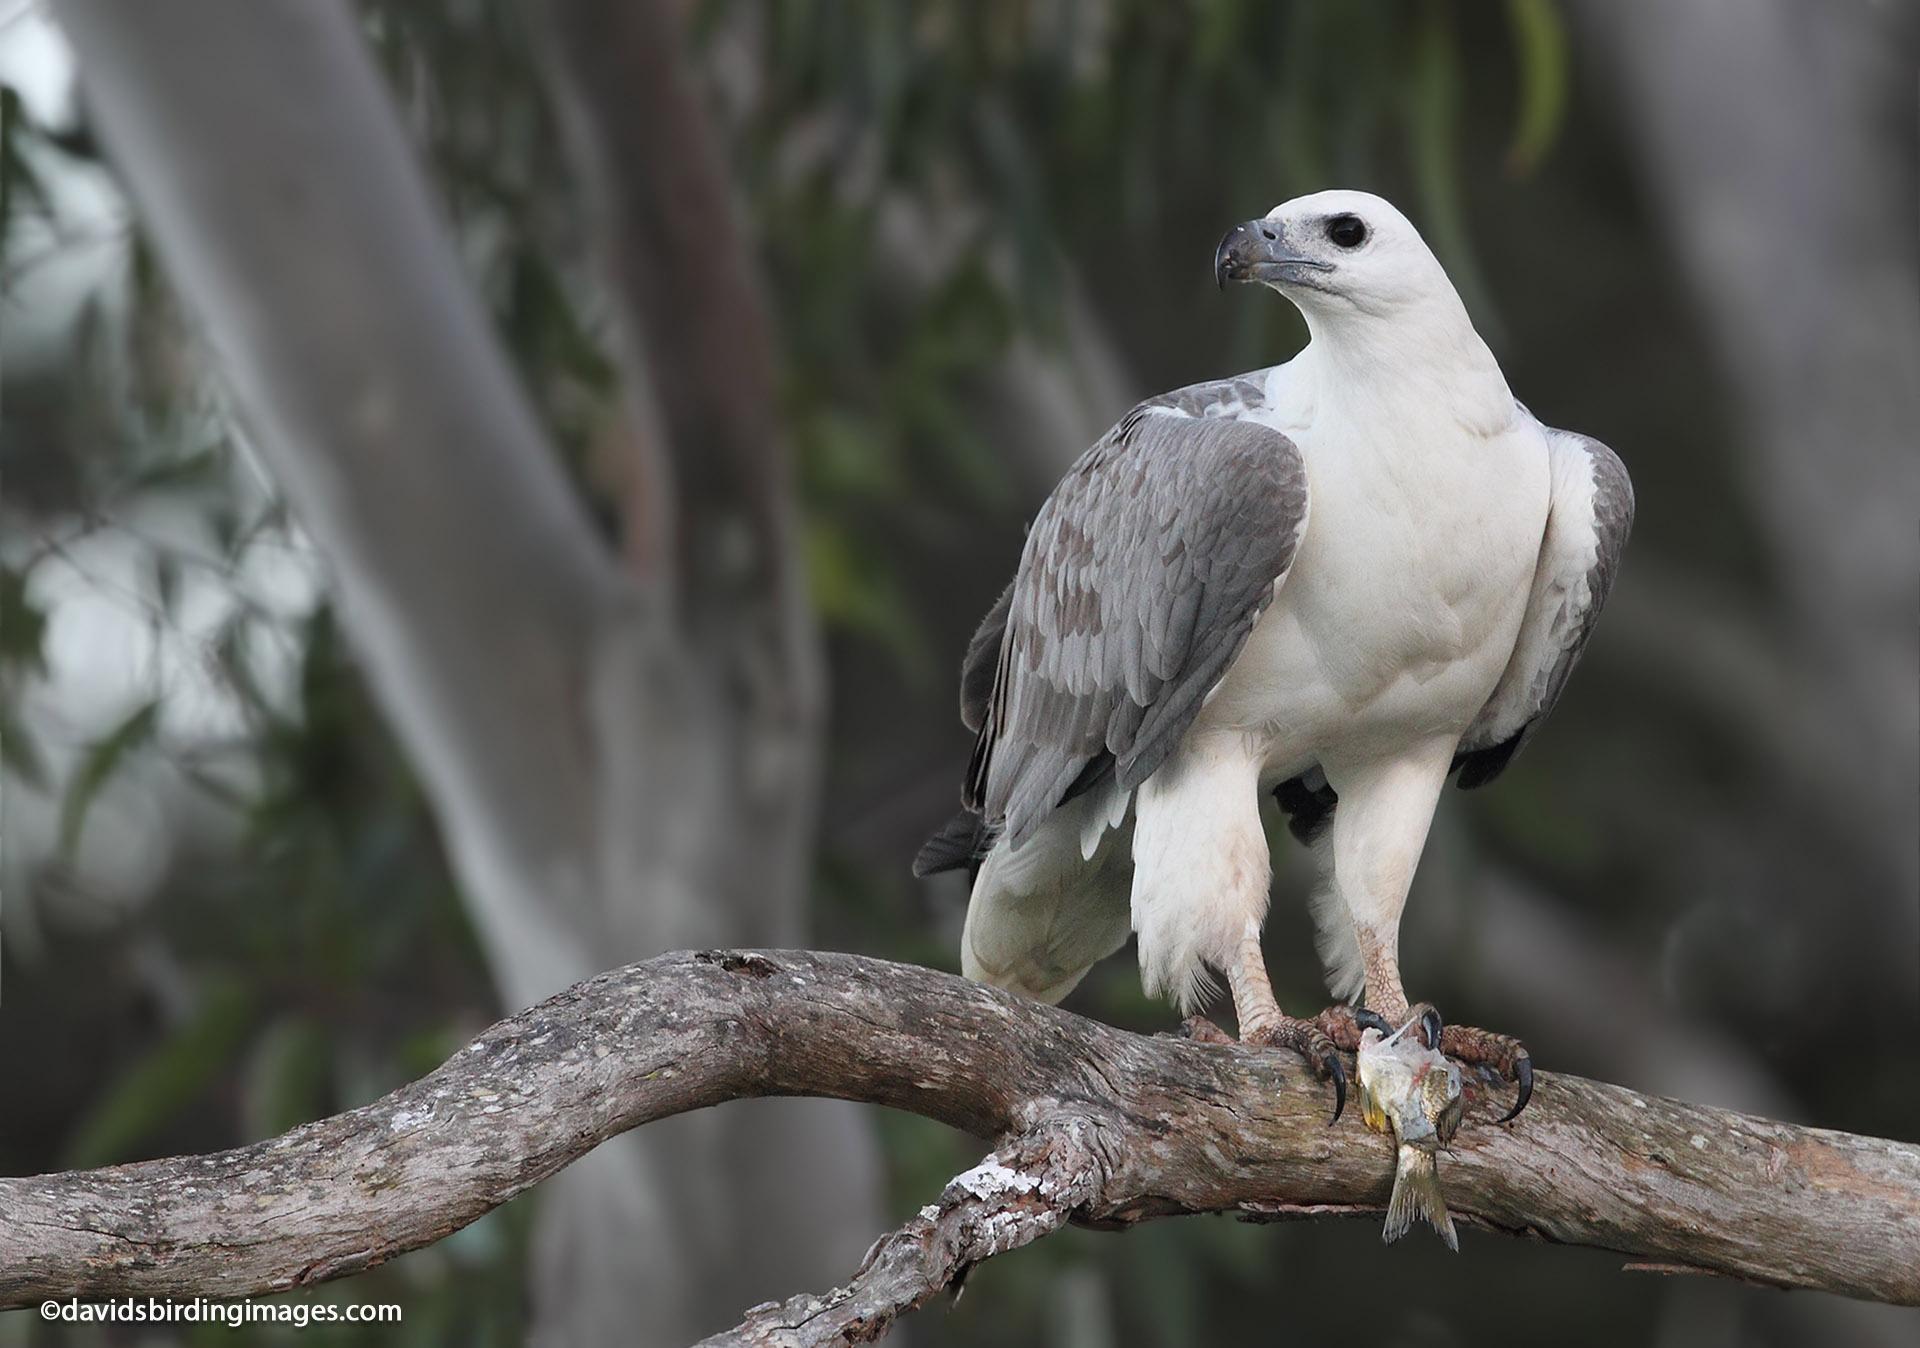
pixel 1347 231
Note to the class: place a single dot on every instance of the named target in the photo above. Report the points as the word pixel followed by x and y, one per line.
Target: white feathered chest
pixel 1411 578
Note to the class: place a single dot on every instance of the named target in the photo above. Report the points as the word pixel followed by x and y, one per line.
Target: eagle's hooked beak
pixel 1256 251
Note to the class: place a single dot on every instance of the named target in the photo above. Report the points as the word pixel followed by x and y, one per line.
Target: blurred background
pixel 980 231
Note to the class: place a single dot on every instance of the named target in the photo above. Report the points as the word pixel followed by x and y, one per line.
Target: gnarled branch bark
pixel 1099 1126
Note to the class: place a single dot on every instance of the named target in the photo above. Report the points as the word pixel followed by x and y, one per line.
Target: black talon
pixel 1430 1023
pixel 1369 1019
pixel 1522 1073
pixel 1332 1063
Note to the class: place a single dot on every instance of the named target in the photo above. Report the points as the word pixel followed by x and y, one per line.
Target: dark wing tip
pixel 1480 766
pixel 960 842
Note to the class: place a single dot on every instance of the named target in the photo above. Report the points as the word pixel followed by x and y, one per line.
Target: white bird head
pixel 1337 255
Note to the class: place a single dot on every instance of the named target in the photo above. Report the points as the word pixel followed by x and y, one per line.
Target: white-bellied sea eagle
pixel 1339 581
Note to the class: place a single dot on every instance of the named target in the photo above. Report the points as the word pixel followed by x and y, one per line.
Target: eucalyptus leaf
pixel 23 624
pixel 1540 49
pixel 1432 113
pixel 18 752
pixel 286 1076
pixel 103 758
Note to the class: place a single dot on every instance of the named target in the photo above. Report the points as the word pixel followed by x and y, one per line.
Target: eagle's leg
pixel 1376 836
pixel 1201 875
pixel 1378 831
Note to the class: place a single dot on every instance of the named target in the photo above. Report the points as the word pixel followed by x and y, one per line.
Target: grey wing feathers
pixel 1140 580
pixel 1587 526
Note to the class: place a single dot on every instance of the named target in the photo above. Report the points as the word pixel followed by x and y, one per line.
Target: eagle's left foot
pixel 1501 1052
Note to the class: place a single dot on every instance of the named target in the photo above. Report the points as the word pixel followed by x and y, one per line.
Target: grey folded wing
pixel 1140 580
pixel 1588 521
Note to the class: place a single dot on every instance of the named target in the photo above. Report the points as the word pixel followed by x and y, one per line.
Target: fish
pixel 1413 1093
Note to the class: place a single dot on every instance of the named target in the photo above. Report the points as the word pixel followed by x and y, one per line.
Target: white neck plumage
pixel 1426 358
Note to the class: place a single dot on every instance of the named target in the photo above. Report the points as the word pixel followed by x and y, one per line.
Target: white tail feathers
pixel 1041 917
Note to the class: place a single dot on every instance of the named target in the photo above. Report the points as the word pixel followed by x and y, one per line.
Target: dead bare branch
pixel 1028 1188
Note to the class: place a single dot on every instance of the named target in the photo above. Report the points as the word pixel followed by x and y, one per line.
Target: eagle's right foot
pixel 1302 1036
pixel 1306 1038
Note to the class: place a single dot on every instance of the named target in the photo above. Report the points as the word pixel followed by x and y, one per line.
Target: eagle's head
pixel 1335 253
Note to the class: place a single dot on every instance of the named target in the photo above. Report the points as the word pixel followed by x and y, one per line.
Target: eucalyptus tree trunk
pixel 1777 139
pixel 623 755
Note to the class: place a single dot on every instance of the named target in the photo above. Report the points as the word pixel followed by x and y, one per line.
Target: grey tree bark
pixel 622 759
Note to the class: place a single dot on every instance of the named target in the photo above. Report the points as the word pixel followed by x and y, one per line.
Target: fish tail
pixel 1416 1193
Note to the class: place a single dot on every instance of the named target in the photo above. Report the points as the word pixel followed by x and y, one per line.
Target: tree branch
pixel 1027 1189
pixel 1108 1128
